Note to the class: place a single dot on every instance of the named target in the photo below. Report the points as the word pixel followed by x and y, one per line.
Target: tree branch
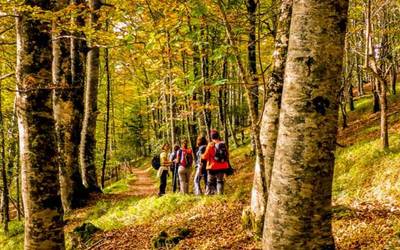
pixel 6 76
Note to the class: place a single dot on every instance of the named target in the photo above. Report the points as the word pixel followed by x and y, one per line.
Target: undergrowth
pixel 364 171
pixel 119 186
pixel 112 215
pixel 14 239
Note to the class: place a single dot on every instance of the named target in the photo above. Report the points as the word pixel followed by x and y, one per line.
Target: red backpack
pixel 186 158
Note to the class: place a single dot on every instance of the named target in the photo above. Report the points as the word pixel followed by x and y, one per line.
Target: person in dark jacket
pixel 174 168
pixel 201 172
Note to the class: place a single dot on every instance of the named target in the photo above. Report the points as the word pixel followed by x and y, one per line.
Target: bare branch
pixel 7 43
pixel 8 15
pixel 7 29
pixel 6 76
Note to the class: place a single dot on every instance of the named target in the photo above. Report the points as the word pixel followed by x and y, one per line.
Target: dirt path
pixel 142 185
pixel 130 237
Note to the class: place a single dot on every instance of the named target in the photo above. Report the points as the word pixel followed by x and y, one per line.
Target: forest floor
pixel 366 199
pixel 133 218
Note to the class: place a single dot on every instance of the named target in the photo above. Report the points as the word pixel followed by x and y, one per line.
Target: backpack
pixel 200 151
pixel 186 158
pixel 156 162
pixel 221 153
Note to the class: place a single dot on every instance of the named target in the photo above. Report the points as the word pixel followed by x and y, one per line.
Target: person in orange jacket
pixel 217 158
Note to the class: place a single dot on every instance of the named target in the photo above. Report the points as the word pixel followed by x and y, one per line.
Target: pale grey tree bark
pixel 68 109
pixel 299 204
pixel 258 201
pixel 38 149
pixel 88 139
pixel 270 118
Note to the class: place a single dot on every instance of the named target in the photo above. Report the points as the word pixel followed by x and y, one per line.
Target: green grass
pixel 364 105
pixel 119 186
pixel 14 240
pixel 364 171
pixel 111 215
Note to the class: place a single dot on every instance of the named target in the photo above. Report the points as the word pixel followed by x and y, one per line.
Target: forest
pixel 199 124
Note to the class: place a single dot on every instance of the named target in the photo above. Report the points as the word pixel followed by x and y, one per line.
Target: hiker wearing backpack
pixel 217 158
pixel 164 168
pixel 185 161
pixel 174 167
pixel 201 172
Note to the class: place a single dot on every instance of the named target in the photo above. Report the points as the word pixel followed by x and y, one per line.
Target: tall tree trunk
pixel 38 149
pixel 300 196
pixel 231 115
pixel 259 187
pixel 384 115
pixel 351 97
pixel 379 73
pixel 67 105
pixel 18 190
pixel 190 129
pixel 12 160
pixel 258 194
pixel 88 139
pixel 393 79
pixel 224 103
pixel 5 193
pixel 375 93
pixel 196 76
pixel 360 79
pixel 107 125
pixel 252 60
pixel 171 91
pixel 270 119
pixel 342 106
pixel 205 74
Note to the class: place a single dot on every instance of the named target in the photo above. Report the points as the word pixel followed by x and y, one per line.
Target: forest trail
pixel 142 185
pixel 146 217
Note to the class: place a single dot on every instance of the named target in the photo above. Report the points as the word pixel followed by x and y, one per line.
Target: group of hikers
pixel 210 160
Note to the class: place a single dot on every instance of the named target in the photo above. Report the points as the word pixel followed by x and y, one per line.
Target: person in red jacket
pixel 217 158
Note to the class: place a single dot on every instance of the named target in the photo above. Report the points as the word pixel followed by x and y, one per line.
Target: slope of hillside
pixel 366 201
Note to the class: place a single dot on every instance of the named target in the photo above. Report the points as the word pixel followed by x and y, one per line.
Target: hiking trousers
pixel 175 179
pixel 184 177
pixel 215 182
pixel 200 174
pixel 163 182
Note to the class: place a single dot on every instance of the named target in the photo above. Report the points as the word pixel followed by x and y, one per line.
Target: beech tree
pixel 248 80
pixel 37 133
pixel 68 110
pixel 270 119
pixel 300 196
pixel 379 72
pixel 88 139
